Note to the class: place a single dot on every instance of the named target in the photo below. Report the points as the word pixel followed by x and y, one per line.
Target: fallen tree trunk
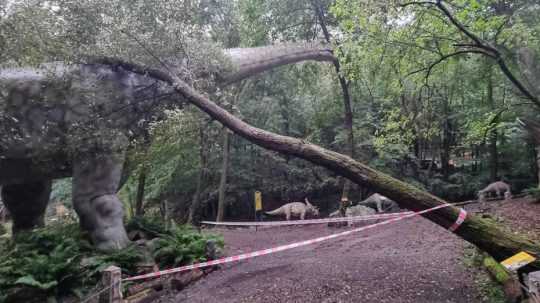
pixel 485 234
pixel 508 281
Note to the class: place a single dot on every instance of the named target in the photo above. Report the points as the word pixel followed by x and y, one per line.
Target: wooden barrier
pixel 112 278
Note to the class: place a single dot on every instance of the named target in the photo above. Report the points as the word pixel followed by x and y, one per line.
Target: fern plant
pixel 183 245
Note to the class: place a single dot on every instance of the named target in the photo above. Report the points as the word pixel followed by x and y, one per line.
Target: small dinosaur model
pixel 496 188
pixel 379 203
pixel 298 209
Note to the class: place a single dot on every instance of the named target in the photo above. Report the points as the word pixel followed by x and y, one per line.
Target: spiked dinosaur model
pixel 77 120
pixel 297 209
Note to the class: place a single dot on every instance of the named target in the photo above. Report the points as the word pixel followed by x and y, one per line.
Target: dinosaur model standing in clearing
pixel 77 120
pixel 497 189
pixel 297 209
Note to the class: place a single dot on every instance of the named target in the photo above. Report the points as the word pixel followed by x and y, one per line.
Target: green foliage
pixel 534 192
pixel 61 191
pixel 47 259
pixel 177 245
pixel 57 261
pixel 183 245
pixel 154 226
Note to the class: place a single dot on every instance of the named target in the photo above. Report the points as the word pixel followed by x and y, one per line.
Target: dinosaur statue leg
pixel 27 203
pixel 288 214
pixel 303 215
pixel 379 206
pixel 95 183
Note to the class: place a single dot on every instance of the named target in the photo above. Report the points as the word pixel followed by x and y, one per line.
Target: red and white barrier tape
pixel 288 246
pixel 460 219
pixel 311 221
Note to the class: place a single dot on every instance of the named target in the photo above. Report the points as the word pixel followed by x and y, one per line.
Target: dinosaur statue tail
pixel 274 212
pixel 251 61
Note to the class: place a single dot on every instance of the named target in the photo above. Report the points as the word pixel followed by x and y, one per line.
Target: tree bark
pixel 446 141
pixel 223 180
pixel 538 164
pixel 493 152
pixel 139 199
pixel 493 156
pixel 485 234
pixel 195 208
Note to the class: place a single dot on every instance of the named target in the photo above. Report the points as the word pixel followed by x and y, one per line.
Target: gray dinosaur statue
pixel 297 209
pixel 496 189
pixel 354 211
pixel 77 120
pixel 380 203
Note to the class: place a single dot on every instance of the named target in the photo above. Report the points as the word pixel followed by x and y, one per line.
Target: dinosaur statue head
pixel 314 209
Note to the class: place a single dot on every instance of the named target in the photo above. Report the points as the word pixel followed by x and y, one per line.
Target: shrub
pixel 59 261
pixel 54 262
pixel 534 192
pixel 183 245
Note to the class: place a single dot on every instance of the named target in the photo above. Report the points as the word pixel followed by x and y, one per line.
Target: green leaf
pixel 30 281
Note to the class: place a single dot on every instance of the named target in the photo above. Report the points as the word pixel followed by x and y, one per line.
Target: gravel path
pixel 411 261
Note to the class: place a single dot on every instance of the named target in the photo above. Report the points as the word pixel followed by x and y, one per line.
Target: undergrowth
pixel 58 261
pixel 534 192
pixel 490 290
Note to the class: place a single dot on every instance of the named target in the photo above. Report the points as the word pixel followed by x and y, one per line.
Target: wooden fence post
pixel 112 276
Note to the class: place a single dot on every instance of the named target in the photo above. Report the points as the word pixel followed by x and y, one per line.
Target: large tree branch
pixel 485 234
pixel 478 42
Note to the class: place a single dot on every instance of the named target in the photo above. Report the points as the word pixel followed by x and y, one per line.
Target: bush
pixel 534 192
pixel 58 261
pixel 53 262
pixel 183 245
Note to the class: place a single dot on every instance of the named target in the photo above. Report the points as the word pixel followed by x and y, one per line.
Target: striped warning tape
pixel 285 247
pixel 311 221
pixel 460 219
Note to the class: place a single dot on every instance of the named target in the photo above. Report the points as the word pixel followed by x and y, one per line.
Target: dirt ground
pixel 522 215
pixel 410 261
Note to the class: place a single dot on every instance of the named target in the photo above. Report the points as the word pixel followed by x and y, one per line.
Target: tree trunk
pixel 493 152
pixel 223 180
pixel 195 208
pixel 485 234
pixel 446 141
pixel 139 199
pixel 538 164
pixel 493 157
pixel 347 109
